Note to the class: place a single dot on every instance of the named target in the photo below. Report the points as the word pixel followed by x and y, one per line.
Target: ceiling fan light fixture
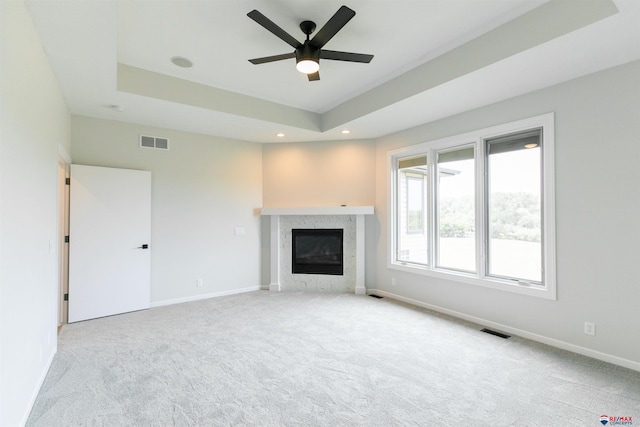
pixel 307 59
pixel 307 66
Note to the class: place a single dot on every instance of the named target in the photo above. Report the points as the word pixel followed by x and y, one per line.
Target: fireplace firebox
pixel 317 251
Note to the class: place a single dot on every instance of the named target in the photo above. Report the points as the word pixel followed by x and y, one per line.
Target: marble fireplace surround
pixel 283 219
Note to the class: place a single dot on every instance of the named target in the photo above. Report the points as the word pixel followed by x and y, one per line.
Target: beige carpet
pixel 301 359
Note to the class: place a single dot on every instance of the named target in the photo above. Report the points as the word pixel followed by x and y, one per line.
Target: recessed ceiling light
pixel 280 135
pixel 346 131
pixel 531 145
pixel 181 62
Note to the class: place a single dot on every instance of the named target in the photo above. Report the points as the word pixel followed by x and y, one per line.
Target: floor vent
pixel 154 142
pixel 376 296
pixel 496 333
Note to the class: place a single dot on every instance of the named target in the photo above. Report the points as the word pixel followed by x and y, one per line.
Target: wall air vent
pixel 154 142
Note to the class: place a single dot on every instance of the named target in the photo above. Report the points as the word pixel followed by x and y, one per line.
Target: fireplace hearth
pixel 317 251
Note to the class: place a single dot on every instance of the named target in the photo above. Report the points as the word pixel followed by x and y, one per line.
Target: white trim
pixel 473 279
pixel 274 255
pixel 545 121
pixel 38 386
pixel 626 363
pixel 549 198
pixel 64 155
pixel 204 296
pixel 275 287
pixel 320 210
pixel 360 248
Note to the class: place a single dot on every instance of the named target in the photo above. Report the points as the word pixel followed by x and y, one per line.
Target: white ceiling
pixel 433 58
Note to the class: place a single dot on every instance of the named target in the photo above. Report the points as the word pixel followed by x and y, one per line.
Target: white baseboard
pixel 626 363
pixel 36 390
pixel 274 287
pixel 204 296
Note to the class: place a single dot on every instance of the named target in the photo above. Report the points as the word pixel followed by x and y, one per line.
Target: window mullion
pixel 481 206
pixel 433 184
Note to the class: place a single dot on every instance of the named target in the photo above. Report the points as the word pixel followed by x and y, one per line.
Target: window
pixel 415 203
pixel 455 208
pixel 478 208
pixel 412 193
pixel 514 206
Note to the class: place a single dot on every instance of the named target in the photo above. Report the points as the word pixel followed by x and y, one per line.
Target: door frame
pixel 64 162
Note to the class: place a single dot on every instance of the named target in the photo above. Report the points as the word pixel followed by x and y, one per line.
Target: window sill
pixel 545 292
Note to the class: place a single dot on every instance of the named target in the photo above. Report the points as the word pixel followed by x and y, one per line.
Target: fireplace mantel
pixel 320 210
pixel 358 211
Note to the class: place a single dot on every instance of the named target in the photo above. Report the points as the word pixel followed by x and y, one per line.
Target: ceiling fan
pixel 309 53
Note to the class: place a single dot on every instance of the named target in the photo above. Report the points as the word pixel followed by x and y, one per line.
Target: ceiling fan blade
pixel 345 56
pixel 314 76
pixel 273 28
pixel 337 21
pixel 273 58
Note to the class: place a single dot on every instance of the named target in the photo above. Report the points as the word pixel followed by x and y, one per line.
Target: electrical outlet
pixel 590 328
pixel 239 231
pixel 199 283
pixel 393 281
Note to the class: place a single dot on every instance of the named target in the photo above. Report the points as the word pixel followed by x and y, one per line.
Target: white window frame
pixel 547 289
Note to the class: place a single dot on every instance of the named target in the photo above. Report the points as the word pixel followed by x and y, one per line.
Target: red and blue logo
pixel 616 421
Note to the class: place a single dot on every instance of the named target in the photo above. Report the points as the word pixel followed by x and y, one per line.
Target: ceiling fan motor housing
pixel 307 52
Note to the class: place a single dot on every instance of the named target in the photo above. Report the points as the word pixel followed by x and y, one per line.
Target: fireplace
pixel 351 219
pixel 317 251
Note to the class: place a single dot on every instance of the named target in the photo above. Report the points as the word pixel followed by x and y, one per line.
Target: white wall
pixel 203 188
pixel 34 122
pixel 597 219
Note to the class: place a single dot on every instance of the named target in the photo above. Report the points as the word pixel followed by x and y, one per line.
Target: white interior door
pixel 110 230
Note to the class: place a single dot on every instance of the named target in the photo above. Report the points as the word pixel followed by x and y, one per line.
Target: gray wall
pixel 203 188
pixel 34 124
pixel 597 219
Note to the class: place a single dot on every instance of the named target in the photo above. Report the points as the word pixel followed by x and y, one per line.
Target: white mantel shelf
pixel 321 210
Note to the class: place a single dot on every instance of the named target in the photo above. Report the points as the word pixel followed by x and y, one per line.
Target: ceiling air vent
pixel 154 142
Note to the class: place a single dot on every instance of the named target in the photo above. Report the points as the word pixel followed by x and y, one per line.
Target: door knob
pixel 145 246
